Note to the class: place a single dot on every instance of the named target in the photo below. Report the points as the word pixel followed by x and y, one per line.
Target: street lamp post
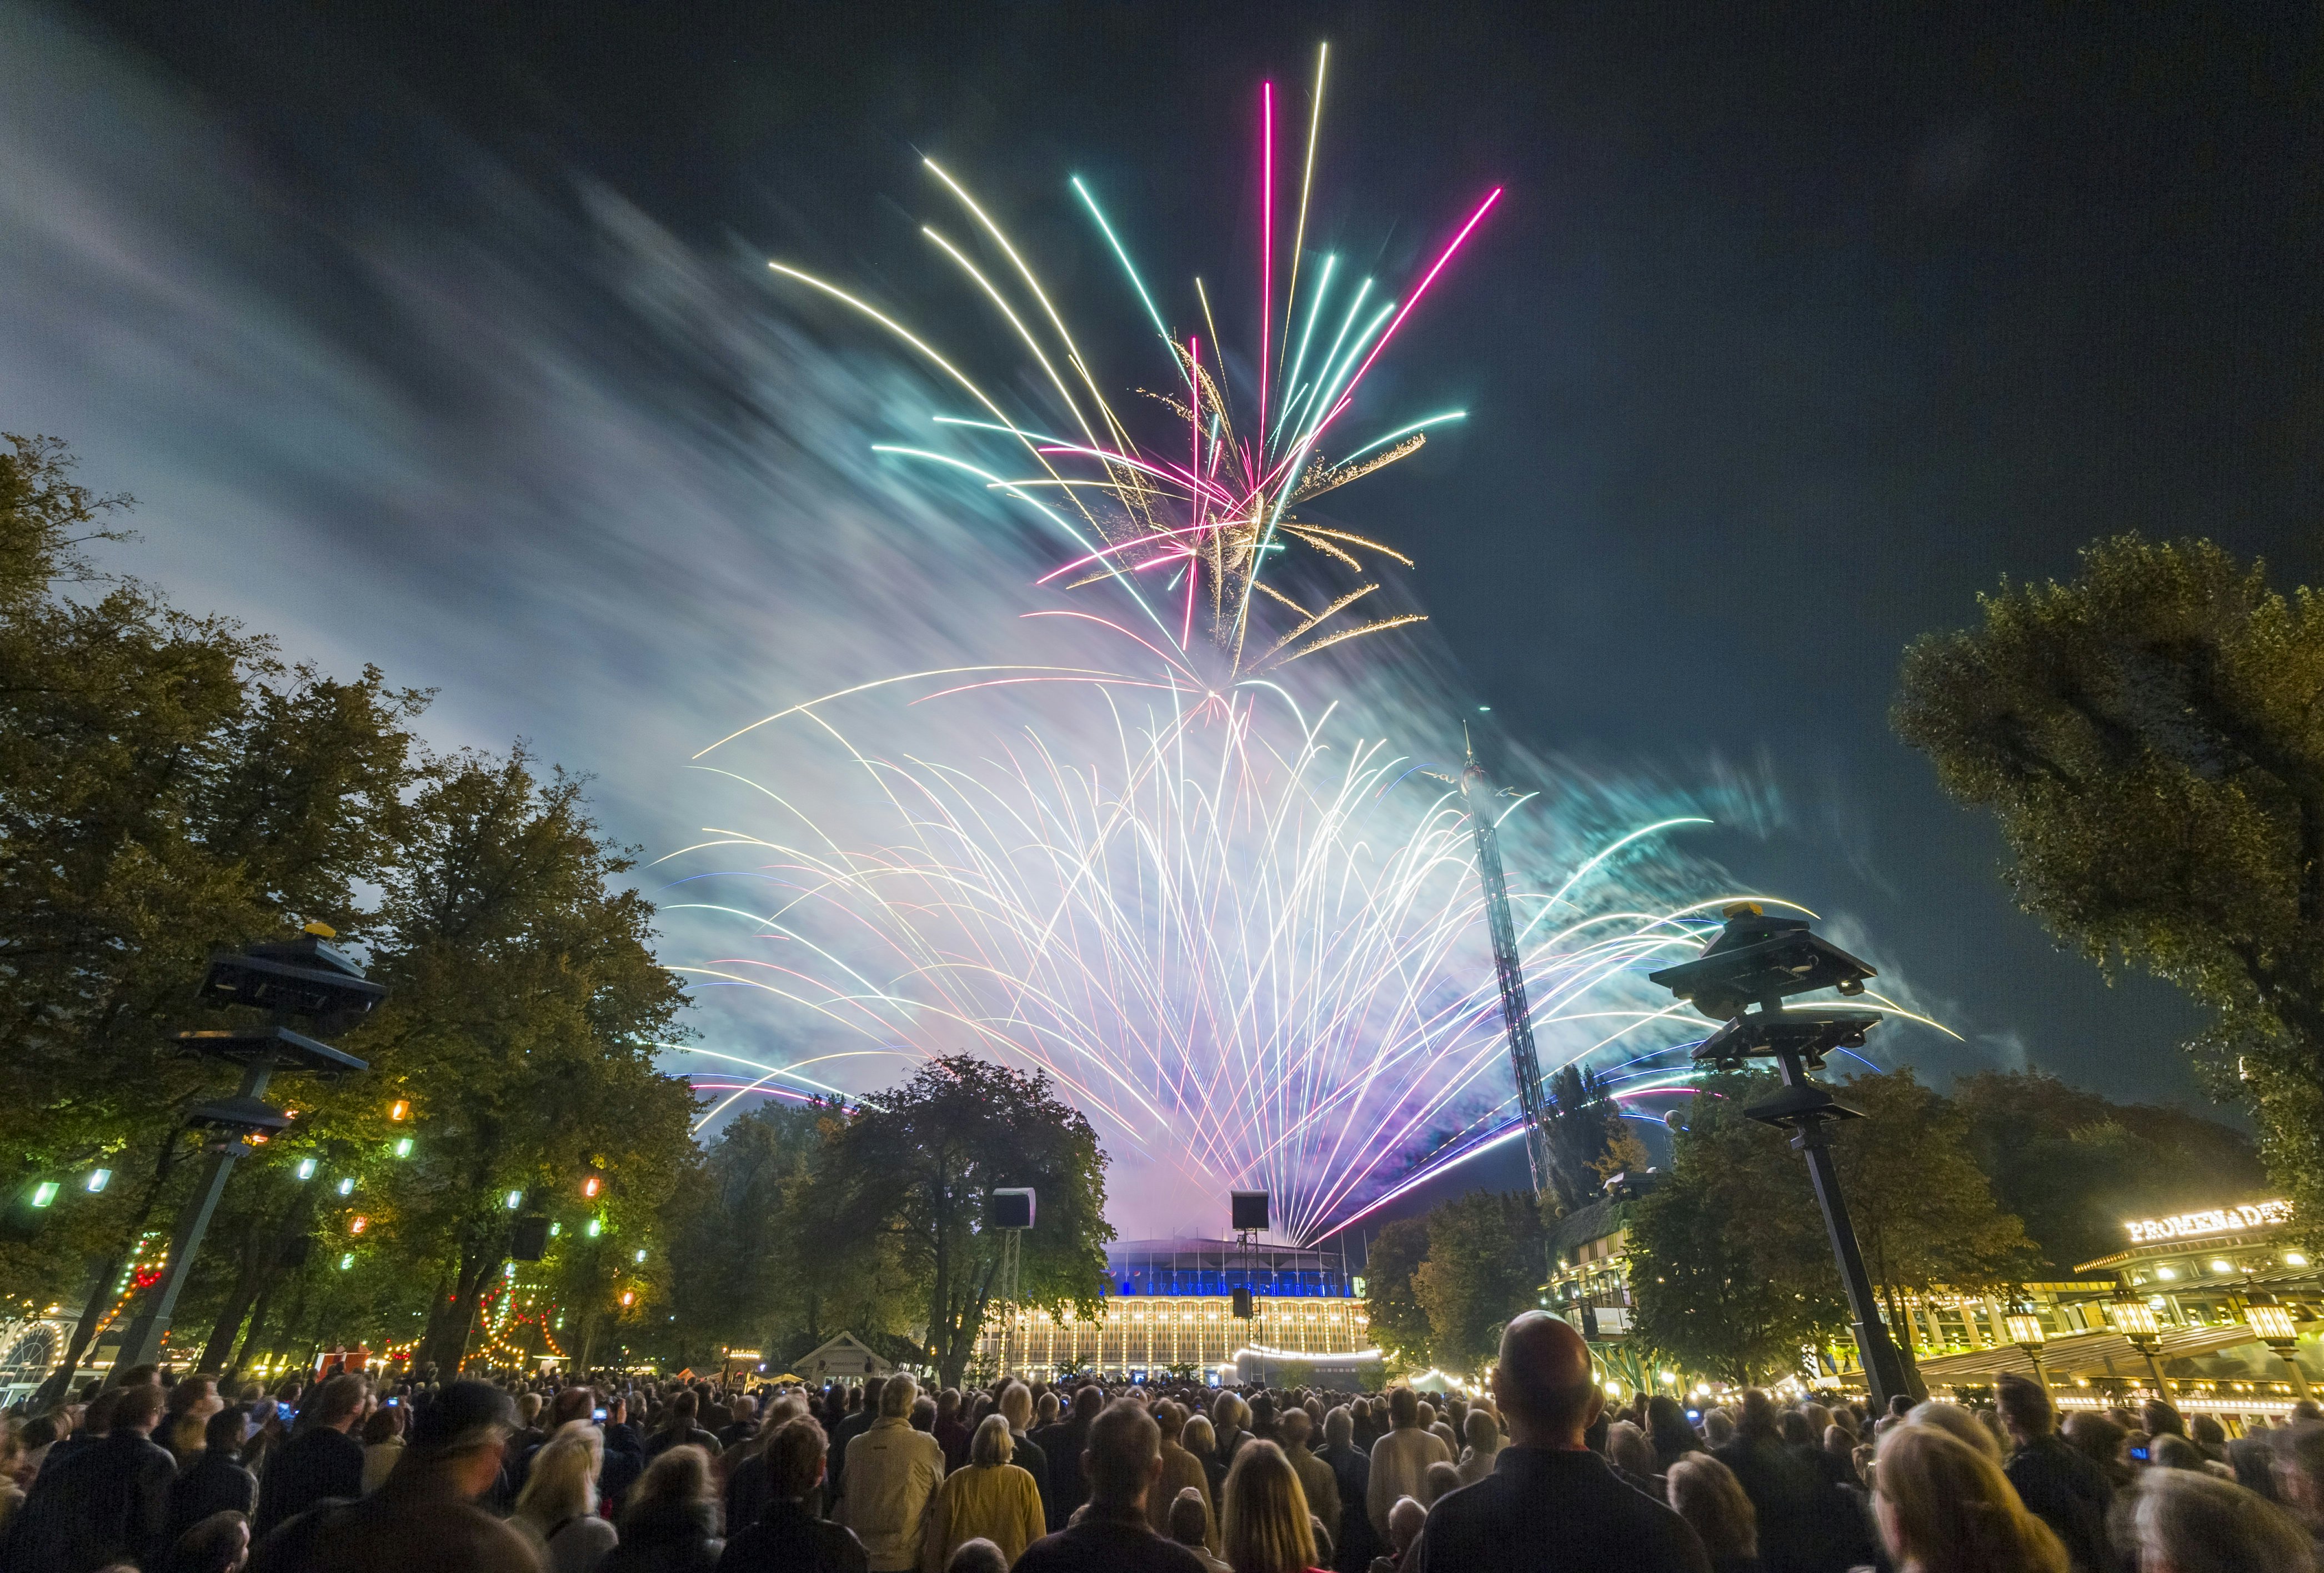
pixel 2135 1320
pixel 2028 1332
pixel 1762 960
pixel 2276 1329
pixel 306 980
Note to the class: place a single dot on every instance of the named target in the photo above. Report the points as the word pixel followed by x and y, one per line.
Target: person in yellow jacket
pixel 991 1499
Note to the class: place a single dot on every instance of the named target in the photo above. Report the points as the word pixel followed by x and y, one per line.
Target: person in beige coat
pixel 1400 1459
pixel 1181 1471
pixel 1315 1476
pixel 888 1504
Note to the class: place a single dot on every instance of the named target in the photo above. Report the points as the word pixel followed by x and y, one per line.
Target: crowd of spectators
pixel 624 1474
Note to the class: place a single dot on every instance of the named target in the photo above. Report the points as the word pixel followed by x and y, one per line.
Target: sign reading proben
pixel 2221 1220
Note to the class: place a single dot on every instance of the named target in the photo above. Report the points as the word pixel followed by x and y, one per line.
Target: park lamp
pixel 2271 1322
pixel 1755 959
pixel 238 1120
pixel 2135 1320
pixel 2274 1324
pixel 308 978
pixel 2027 1330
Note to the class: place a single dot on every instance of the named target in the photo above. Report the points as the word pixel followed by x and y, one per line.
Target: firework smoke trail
pixel 559 445
pixel 1245 934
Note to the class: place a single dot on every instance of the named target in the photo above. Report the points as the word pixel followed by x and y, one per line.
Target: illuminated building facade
pixel 1170 1307
pixel 2200 1276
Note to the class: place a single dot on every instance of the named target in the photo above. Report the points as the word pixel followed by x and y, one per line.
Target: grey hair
pixel 992 1443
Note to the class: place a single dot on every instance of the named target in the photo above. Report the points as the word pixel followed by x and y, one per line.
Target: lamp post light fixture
pixel 306 980
pixel 2029 1332
pixel 1758 958
pixel 2136 1319
pixel 2275 1326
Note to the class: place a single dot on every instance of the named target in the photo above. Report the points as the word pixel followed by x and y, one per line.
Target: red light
pixel 358 1226
pixel 589 1187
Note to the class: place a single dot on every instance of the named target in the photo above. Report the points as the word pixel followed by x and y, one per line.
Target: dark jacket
pixel 624 1461
pixel 1549 1509
pixel 666 1538
pixel 2066 1490
pixel 413 1521
pixel 1354 1542
pixel 212 1483
pixel 853 1426
pixel 1029 1457
pixel 1806 1525
pixel 1107 1544
pixel 661 1442
pixel 318 1465
pixel 788 1539
pixel 109 1501
pixel 1062 1446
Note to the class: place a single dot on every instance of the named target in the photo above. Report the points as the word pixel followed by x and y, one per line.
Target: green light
pixel 597 1227
pixel 555 1229
pixel 515 1199
pixel 403 1148
pixel 45 1193
pixel 346 1261
pixel 99 1179
pixel 347 1186
pixel 306 1168
pixel 641 1255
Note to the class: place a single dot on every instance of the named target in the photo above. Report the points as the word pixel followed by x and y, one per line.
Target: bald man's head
pixel 1544 1384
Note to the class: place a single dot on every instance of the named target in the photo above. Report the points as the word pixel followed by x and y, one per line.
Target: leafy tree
pixel 744 1220
pixel 1925 1214
pixel 1728 1264
pixel 1485 1264
pixel 2075 1166
pixel 1397 1321
pixel 523 1011
pixel 915 1165
pixel 167 786
pixel 2148 739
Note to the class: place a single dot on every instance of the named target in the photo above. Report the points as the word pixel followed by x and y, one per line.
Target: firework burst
pixel 1242 929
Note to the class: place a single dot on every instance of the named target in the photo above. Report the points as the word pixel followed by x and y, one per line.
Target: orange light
pixel 589 1187
pixel 629 1297
pixel 358 1226
pixel 400 1110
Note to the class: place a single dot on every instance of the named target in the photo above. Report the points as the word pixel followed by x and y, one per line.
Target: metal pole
pixel 2283 1352
pixel 1884 1371
pixel 142 1344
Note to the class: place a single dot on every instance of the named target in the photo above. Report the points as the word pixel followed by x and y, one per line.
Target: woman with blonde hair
pixel 1198 1437
pixel 1705 1493
pixel 1945 1508
pixel 559 1503
pixel 1267 1527
pixel 987 1499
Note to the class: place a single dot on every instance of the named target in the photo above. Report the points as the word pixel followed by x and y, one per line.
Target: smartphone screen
pixel 598 1415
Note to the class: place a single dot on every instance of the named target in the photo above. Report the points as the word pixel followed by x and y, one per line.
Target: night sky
pixel 1791 335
